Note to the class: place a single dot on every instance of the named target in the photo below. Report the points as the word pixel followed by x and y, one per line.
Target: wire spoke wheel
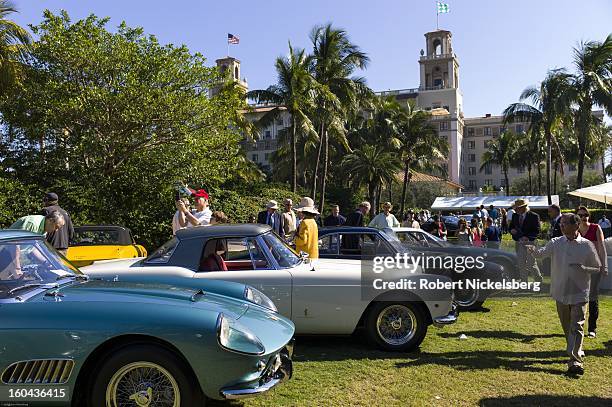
pixel 396 324
pixel 143 384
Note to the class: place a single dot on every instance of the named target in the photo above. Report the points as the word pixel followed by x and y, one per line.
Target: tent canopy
pixel 599 193
pixel 468 203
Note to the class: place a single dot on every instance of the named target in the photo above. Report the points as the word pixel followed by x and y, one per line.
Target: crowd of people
pixel 575 253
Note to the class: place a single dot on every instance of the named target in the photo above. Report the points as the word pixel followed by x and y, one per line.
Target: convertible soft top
pixel 241 229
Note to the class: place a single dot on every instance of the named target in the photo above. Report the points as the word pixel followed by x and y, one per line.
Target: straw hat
pixel 307 205
pixel 272 204
pixel 387 205
pixel 519 203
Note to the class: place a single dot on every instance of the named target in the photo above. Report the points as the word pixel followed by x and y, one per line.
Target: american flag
pixel 232 39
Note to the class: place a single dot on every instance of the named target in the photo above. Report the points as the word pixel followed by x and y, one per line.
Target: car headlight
pixel 237 338
pixel 257 297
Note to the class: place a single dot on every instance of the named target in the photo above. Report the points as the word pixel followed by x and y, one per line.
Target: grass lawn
pixel 513 356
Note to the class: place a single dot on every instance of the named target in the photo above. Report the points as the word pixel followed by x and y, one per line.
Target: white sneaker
pixel 592 335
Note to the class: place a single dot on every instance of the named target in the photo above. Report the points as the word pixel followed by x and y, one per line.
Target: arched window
pixel 236 76
pixel 437 45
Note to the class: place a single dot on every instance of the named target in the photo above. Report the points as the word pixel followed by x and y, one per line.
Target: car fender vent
pixel 41 371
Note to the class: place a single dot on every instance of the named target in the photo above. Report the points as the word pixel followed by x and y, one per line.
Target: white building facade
pixel 439 91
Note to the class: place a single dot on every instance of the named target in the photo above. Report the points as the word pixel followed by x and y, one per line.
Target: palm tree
pixel 335 59
pixel 551 100
pixel 600 143
pixel 293 92
pixel 15 44
pixel 421 147
pixel 530 152
pixel 592 86
pixel 372 165
pixel 500 152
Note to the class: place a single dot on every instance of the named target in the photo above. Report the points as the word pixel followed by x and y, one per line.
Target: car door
pixel 328 299
pixel 248 262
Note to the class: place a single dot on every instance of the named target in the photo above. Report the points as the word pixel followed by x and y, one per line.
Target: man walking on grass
pixel 573 259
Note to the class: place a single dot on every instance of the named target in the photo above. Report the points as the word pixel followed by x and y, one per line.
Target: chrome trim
pixel 269 379
pixel 448 319
pixel 38 371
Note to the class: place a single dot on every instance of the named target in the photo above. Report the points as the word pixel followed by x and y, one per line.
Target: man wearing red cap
pixel 200 216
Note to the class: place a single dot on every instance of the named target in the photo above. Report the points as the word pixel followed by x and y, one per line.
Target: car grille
pixel 43 371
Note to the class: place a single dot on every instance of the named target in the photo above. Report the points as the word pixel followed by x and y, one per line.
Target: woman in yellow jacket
pixel 307 235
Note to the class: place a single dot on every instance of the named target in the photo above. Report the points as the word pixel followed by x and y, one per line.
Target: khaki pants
pixel 572 317
pixel 526 262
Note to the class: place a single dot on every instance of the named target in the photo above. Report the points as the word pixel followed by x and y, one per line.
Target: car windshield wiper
pixel 31 285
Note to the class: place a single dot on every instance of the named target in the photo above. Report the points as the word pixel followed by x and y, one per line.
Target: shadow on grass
pixel 515 361
pixel 507 335
pixel 545 400
pixel 336 348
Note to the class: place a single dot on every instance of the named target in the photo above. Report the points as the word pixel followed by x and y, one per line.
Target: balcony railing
pixel 261 145
pixel 438 56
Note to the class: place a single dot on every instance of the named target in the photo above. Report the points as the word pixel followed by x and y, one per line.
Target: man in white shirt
pixel 573 260
pixel 483 213
pixel 176 224
pixel 509 215
pixel 200 216
pixel 385 219
pixel 605 225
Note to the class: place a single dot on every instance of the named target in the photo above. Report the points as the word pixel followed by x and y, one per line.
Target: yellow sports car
pixel 93 243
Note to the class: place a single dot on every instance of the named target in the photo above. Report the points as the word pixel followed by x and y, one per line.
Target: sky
pixel 502 46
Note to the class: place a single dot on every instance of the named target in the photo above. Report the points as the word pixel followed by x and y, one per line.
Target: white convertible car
pixel 331 297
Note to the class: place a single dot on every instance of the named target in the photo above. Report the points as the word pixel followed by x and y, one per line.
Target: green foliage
pixel 110 120
pixel 248 199
pixel 17 200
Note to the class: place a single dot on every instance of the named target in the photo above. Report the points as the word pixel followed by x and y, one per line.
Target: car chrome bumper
pixel 279 370
pixel 448 319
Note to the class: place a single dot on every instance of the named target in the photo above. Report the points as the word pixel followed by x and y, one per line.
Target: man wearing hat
pixel 59 238
pixel 271 217
pixel 307 236
pixel 525 228
pixel 200 216
pixel 385 219
pixel 289 220
pixel 357 218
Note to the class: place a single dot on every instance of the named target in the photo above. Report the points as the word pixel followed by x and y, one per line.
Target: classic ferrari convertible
pixel 102 242
pixel 70 340
pixel 330 298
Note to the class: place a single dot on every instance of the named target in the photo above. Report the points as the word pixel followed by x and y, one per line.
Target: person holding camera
pixel 200 216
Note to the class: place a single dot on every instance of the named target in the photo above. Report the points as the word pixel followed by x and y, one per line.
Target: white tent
pixel 599 193
pixel 469 203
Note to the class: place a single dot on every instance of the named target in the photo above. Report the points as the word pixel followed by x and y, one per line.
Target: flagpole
pixel 437 16
pixel 228 44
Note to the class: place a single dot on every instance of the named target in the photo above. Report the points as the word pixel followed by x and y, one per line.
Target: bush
pixel 17 200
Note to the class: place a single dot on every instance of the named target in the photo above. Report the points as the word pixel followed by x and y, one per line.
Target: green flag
pixel 443 8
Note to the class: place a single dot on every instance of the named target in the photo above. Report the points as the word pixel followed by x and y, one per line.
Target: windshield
pixel 99 237
pixel 27 264
pixel 163 254
pixel 284 255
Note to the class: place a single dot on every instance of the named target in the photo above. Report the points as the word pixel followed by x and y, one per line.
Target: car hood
pixel 151 295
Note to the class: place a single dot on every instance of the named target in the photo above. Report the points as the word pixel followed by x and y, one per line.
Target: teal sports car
pixel 66 339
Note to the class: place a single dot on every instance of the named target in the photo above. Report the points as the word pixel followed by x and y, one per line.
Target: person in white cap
pixel 271 217
pixel 289 220
pixel 307 236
